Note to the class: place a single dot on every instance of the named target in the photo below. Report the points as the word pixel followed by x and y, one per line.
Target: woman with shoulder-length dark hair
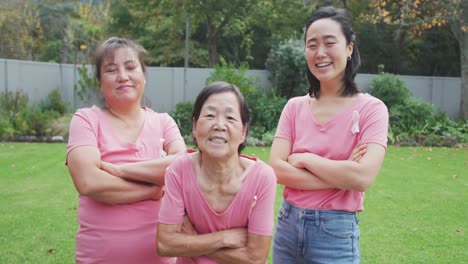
pixel 328 149
pixel 219 203
pixel 117 155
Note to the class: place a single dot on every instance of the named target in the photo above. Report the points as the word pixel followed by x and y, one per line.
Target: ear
pixel 350 48
pixel 194 128
pixel 244 132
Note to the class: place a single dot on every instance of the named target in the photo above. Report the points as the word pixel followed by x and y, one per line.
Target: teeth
pixel 218 140
pixel 323 64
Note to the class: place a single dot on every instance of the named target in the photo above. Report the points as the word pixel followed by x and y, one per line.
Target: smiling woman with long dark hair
pixel 328 149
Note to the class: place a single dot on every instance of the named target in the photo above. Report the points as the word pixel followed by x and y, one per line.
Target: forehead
pixel 120 55
pixel 222 100
pixel 324 27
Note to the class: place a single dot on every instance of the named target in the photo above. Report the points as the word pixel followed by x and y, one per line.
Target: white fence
pixel 165 86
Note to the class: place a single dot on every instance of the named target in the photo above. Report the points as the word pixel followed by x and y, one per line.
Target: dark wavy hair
pixel 339 15
pixel 217 88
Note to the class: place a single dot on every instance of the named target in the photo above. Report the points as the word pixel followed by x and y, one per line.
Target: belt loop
pixel 317 217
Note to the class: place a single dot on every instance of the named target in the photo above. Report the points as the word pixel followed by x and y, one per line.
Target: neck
pixel 127 114
pixel 331 89
pixel 220 171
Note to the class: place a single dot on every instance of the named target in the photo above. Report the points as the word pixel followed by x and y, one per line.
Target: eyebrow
pixel 111 63
pixel 228 108
pixel 324 37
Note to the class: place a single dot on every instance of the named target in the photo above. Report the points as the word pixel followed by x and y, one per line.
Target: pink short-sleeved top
pixel 365 121
pixel 251 208
pixel 123 233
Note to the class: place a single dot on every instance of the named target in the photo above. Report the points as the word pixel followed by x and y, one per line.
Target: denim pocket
pixel 282 214
pixel 338 228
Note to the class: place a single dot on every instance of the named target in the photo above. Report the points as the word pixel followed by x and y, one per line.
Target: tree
pixel 21 31
pixel 418 16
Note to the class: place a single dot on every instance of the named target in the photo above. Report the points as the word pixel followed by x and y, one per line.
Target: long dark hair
pixel 339 15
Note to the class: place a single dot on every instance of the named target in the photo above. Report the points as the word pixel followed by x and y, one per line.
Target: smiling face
pixel 122 78
pixel 219 130
pixel 327 51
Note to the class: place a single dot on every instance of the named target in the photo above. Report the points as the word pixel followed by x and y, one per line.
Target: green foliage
pixel 12 102
pixel 390 89
pixel 265 111
pixel 411 117
pixel 287 67
pixel 19 121
pixel 54 102
pixel 88 87
pixel 237 76
pixel 183 117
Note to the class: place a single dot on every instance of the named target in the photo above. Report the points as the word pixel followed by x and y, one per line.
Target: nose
pixel 320 51
pixel 122 75
pixel 220 124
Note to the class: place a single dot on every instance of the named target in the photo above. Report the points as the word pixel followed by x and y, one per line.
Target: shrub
pixel 54 102
pixel 12 102
pixel 390 89
pixel 411 117
pixel 6 128
pixel 287 67
pixel 183 117
pixel 229 73
pixel 265 111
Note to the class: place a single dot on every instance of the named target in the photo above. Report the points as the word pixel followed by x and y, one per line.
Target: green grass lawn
pixel 416 212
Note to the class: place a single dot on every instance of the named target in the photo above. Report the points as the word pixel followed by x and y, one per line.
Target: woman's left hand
pixel 187 227
pixel 112 169
pixel 297 159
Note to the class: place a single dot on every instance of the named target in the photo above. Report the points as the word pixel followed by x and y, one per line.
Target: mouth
pixel 123 87
pixel 323 65
pixel 218 140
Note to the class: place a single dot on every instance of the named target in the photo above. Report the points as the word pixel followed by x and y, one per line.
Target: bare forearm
pixel 113 190
pixel 186 245
pixel 344 174
pixel 237 255
pixel 296 178
pixel 151 171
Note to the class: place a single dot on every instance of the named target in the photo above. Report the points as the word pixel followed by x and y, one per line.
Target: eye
pixel 329 44
pixel 312 46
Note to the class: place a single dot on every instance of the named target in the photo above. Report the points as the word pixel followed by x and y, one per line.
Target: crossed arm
pixel 227 246
pixel 307 171
pixel 108 183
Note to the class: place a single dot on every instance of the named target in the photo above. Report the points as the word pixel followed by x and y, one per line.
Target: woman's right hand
pixel 358 152
pixel 158 193
pixel 235 238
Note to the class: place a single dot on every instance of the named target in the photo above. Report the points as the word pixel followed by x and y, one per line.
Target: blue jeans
pixel 315 236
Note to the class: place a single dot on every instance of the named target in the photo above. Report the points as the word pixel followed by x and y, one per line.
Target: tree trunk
pixel 463 42
pixel 213 55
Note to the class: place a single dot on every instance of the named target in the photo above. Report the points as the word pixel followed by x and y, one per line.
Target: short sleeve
pixel 172 208
pixel 261 220
pixel 81 131
pixel 171 131
pixel 285 125
pixel 375 121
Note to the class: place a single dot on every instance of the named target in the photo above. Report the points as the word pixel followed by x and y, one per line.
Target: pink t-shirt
pixel 365 121
pixel 123 233
pixel 251 208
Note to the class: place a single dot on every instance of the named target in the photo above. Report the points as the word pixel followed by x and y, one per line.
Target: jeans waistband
pixel 312 213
